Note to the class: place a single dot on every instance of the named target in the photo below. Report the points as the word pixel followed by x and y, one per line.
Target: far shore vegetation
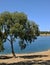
pixel 44 33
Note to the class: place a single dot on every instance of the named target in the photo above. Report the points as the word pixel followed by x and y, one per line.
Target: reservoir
pixel 42 43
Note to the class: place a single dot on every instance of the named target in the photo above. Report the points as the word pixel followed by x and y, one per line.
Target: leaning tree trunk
pixel 12 48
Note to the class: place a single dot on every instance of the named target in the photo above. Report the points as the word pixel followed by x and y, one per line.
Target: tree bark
pixel 12 48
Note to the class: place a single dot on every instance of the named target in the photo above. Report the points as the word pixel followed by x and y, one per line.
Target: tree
pixel 16 25
pixel 1 44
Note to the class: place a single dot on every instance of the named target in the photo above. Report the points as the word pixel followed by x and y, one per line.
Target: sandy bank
pixel 44 34
pixel 32 57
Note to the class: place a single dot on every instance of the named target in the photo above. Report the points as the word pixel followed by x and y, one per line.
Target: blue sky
pixel 36 10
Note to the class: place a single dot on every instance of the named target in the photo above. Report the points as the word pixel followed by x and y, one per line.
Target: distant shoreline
pixel 44 34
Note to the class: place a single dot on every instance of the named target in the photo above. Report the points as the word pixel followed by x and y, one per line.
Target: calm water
pixel 41 44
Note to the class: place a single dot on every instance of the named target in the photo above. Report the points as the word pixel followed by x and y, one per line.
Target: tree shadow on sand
pixel 25 56
pixel 34 62
pixel 33 56
pixel 31 62
pixel 5 57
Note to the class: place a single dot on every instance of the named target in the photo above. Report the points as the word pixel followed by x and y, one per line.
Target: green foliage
pixel 17 25
pixel 1 42
pixel 19 17
pixel 22 44
pixel 1 46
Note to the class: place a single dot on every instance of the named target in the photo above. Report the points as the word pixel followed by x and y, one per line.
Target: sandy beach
pixel 38 58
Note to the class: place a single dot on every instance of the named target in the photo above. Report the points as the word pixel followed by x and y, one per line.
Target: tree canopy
pixel 16 25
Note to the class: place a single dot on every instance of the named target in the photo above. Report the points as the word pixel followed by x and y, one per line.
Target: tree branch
pixel 8 39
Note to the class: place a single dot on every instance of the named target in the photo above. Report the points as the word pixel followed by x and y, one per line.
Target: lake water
pixel 42 43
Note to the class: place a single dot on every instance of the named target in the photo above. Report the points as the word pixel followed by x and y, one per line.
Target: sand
pixel 31 58
pixel 44 34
